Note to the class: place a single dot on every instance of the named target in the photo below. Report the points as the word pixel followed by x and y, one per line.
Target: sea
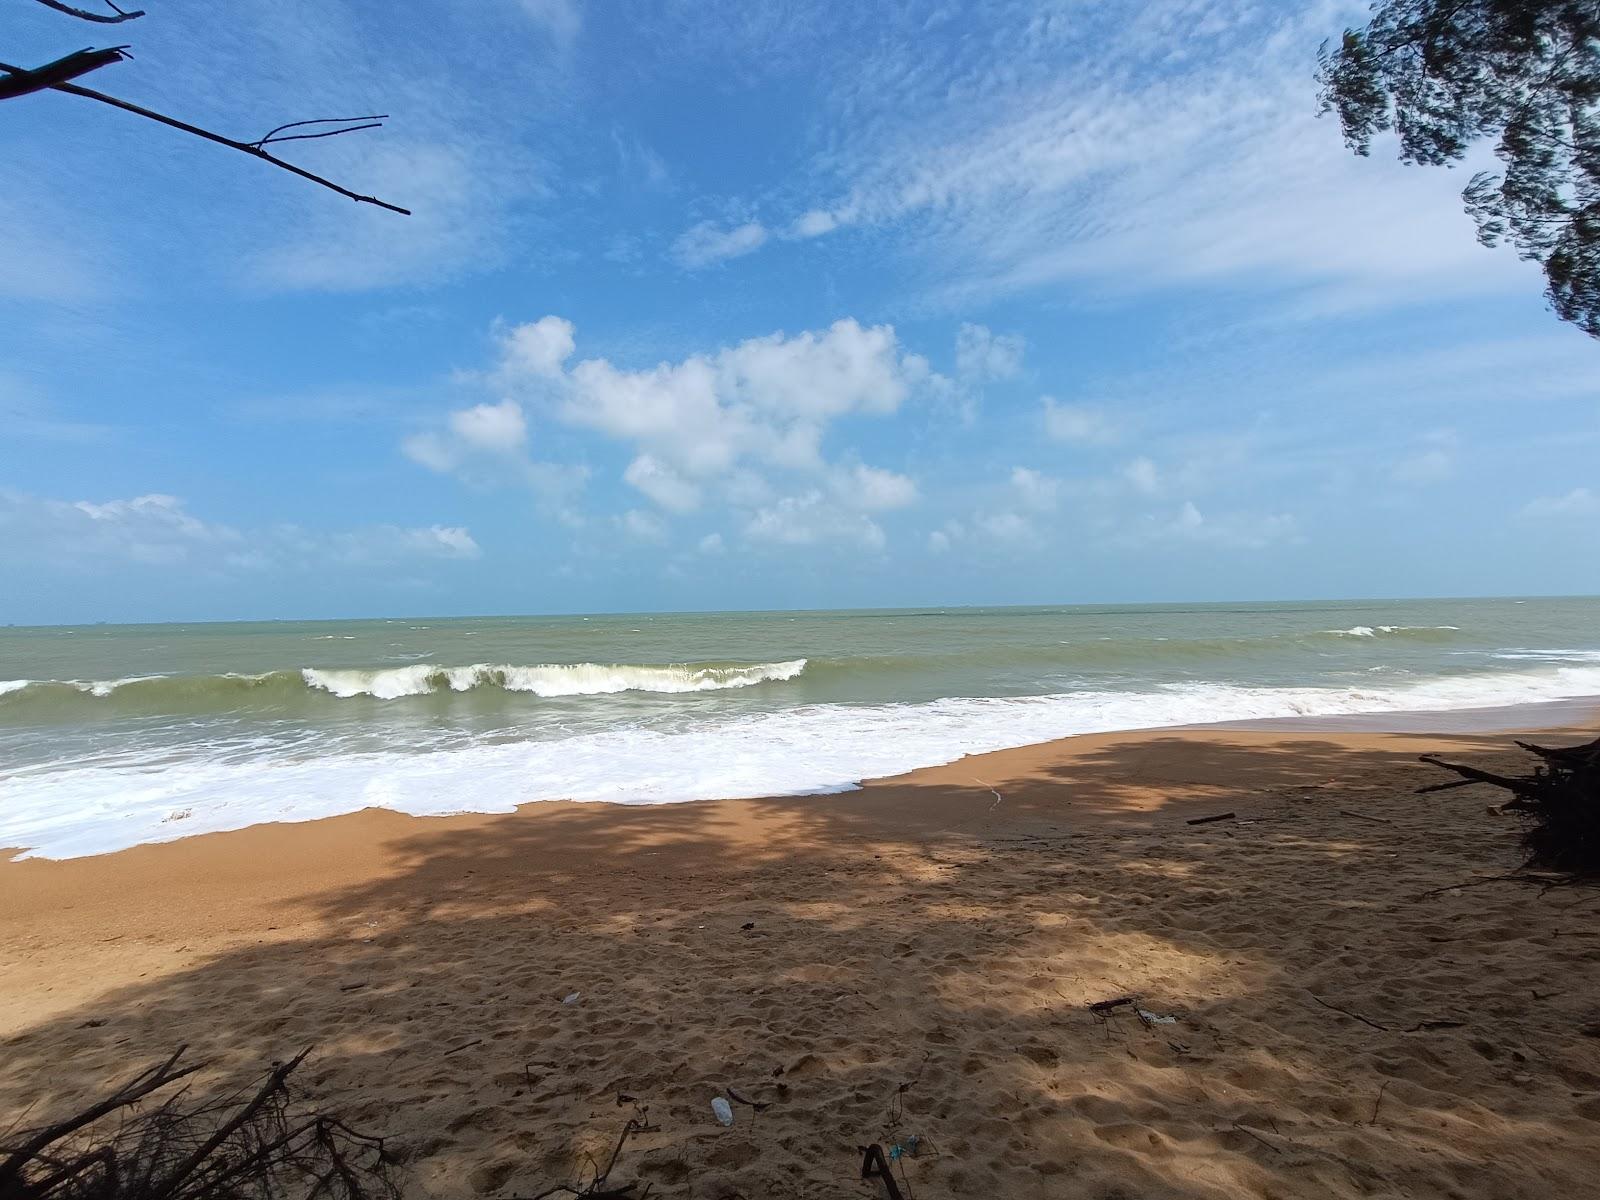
pixel 115 735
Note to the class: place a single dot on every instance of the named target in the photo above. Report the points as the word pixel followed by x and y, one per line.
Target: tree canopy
pixel 1447 74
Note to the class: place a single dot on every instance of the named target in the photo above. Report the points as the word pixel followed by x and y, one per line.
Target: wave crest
pixel 1367 631
pixel 548 679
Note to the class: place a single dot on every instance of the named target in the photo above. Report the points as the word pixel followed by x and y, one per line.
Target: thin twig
pixel 1348 1013
pixel 221 140
pixel 272 134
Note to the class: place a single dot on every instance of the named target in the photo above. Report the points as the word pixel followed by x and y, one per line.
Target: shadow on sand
pixel 820 953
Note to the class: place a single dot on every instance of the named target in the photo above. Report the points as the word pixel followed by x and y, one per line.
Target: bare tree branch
pixel 115 17
pixel 233 144
pixel 80 62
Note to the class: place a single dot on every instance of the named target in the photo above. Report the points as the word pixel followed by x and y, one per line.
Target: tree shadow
pixel 917 959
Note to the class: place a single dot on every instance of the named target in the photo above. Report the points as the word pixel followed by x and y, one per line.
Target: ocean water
pixel 116 735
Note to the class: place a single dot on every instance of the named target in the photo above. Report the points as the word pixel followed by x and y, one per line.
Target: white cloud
pixel 767 399
pixel 159 530
pixel 706 243
pixel 1235 531
pixel 1579 502
pixel 485 445
pixel 662 484
pixel 456 224
pixel 712 544
pixel 561 18
pixel 1006 527
pixel 645 526
pixel 1035 490
pixel 814 223
pixel 938 541
pixel 1077 423
pixel 809 519
pixel 710 426
pixel 1136 147
pixel 1144 477
pixel 982 354
pixel 538 348
pixel 873 488
pixel 497 428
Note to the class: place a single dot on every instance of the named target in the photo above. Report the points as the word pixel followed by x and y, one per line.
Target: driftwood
pixel 182 1149
pixel 1560 799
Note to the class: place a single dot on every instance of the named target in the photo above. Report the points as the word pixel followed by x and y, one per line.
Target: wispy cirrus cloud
pixel 1135 147
pixel 159 530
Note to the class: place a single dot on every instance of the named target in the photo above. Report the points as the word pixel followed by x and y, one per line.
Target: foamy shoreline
pixel 90 811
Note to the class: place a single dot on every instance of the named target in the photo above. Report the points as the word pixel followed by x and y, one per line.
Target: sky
pixel 712 305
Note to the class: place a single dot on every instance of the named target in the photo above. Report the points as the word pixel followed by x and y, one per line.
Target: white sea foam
pixel 1367 631
pixel 13 685
pixel 66 811
pixel 104 687
pixel 569 679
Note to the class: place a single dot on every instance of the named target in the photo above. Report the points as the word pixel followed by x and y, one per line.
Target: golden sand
pixel 915 958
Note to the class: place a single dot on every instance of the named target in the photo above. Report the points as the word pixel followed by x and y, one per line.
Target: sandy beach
pixel 1357 1010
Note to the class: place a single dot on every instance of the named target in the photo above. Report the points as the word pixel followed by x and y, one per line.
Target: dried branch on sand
pixel 1561 799
pixel 181 1149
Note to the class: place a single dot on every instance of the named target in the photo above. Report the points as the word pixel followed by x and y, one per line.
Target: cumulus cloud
pixel 810 518
pixel 498 428
pixel 1037 491
pixel 982 354
pixel 1005 527
pixel 538 348
pixel 764 403
pixel 767 398
pixel 642 525
pixel 742 425
pixel 706 243
pixel 1078 423
pixel 662 484
pixel 873 488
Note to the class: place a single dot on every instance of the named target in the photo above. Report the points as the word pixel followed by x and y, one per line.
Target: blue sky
pixel 714 305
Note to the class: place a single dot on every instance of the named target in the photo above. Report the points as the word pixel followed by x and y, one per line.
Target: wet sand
pixel 1359 1008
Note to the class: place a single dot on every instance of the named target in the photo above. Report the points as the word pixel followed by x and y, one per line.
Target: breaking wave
pixel 1430 632
pixel 552 679
pixel 206 693
pixel 94 807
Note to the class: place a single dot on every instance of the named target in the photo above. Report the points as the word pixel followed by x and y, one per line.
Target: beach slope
pixel 1340 998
